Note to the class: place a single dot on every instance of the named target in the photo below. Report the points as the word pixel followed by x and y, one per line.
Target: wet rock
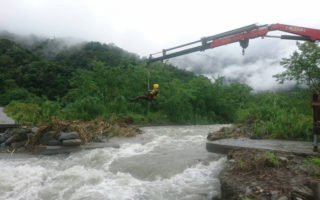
pixel 274 195
pixel 21 131
pixel 46 137
pixel 214 136
pixel 34 129
pixel 4 136
pixel 230 189
pixel 20 137
pixel 17 145
pixel 116 126
pixel 54 143
pixel 72 142
pixel 303 193
pixel 101 139
pixel 255 137
pixel 16 135
pixel 9 140
pixel 315 186
pixel 68 136
pixel 21 149
pixel 283 198
pixel 283 159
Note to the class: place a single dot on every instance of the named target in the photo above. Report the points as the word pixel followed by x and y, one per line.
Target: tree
pixel 303 66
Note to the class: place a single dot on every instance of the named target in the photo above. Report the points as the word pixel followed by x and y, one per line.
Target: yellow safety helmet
pixel 155 86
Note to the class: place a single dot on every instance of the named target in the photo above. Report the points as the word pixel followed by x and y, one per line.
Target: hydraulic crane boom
pixel 241 35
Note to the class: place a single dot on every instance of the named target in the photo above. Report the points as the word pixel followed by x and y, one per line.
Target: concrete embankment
pixel 4 119
pixel 264 168
pixel 225 145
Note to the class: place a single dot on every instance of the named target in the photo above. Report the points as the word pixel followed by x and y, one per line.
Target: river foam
pixel 164 163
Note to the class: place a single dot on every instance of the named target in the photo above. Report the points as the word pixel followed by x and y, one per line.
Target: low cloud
pixel 256 68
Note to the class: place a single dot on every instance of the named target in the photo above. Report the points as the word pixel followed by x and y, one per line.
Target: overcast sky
pixel 146 26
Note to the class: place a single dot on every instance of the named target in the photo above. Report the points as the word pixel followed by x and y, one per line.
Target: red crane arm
pixel 309 33
pixel 313 34
pixel 241 35
pixel 261 32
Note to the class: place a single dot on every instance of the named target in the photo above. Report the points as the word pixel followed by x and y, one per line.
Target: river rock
pixel 283 198
pixel 17 145
pixel 21 149
pixel 315 186
pixel 4 136
pixel 274 195
pixel 68 136
pixel 54 143
pixel 10 140
pixel 230 189
pixel 20 137
pixel 34 129
pixel 303 193
pixel 22 131
pixel 215 136
pixel 101 139
pixel 48 136
pixel 72 142
pixel 16 135
pixel 255 137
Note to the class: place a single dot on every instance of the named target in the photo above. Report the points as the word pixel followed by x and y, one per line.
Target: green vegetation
pixel 303 66
pixel 272 158
pixel 279 115
pixel 240 162
pixel 313 164
pixel 92 79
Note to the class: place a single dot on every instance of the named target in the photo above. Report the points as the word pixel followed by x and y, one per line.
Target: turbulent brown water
pixel 168 162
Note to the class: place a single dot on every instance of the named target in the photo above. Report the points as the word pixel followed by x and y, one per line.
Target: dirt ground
pixel 269 175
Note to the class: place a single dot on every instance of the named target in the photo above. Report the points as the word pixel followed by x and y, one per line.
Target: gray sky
pixel 146 26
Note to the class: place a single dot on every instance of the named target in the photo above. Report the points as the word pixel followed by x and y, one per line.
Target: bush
pixel 284 116
pixel 18 94
pixel 49 109
pixel 24 113
pixel 87 108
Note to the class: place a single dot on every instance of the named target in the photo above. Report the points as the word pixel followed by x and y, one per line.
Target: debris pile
pixel 66 133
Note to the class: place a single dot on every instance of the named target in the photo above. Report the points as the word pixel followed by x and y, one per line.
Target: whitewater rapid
pixel 168 162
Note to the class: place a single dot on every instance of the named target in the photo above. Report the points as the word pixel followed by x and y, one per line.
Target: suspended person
pixel 152 94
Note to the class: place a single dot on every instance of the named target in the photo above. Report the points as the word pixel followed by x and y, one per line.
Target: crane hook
pixel 244 44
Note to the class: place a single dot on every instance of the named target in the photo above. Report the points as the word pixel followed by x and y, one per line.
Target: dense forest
pixel 90 79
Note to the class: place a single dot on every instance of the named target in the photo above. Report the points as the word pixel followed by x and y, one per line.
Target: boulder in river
pixel 68 136
pixel 71 142
pixel 34 129
pixel 9 140
pixel 48 136
pixel 21 131
pixel 54 142
pixel 17 145
pixel 4 136
pixel 15 135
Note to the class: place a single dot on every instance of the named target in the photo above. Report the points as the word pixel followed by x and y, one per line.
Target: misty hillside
pixel 83 81
pixel 100 78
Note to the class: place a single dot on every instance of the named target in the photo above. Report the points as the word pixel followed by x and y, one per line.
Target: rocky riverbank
pixel 267 175
pixel 64 134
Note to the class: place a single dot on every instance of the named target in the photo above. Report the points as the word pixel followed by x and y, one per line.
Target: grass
pixel 240 162
pixel 272 158
pixel 313 163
